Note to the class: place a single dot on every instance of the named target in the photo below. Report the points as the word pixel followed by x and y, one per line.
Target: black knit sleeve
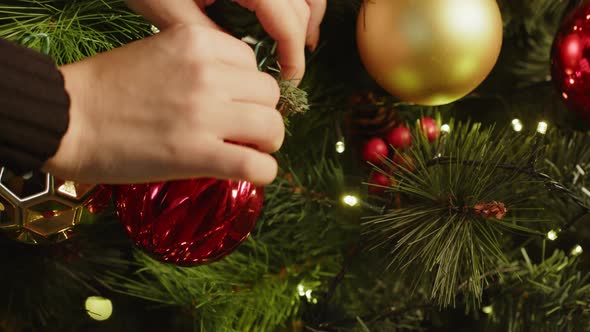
pixel 34 108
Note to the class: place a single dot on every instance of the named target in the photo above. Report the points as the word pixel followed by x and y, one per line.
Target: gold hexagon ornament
pixel 38 208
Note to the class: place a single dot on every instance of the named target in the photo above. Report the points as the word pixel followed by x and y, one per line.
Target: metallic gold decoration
pixel 38 208
pixel 429 52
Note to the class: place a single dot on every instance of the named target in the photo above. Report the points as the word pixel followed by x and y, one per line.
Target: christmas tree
pixel 410 197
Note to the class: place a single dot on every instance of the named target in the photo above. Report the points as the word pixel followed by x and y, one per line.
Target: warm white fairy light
pixel 577 251
pixel 340 147
pixel 301 290
pixel 488 310
pixel 542 127
pixel 445 128
pixel 517 125
pixel 350 200
pixel 552 235
pixel 307 293
pixel 99 308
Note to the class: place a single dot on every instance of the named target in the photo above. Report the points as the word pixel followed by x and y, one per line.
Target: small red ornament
pixel 570 61
pixel 375 150
pixel 404 161
pixel 430 128
pixel 399 137
pixel 376 183
pixel 189 222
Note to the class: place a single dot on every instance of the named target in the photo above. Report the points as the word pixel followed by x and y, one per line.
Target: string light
pixel 552 235
pixel 99 308
pixel 340 147
pixel 445 128
pixel 542 127
pixel 350 200
pixel 488 310
pixel 517 125
pixel 307 293
pixel 577 251
pixel 301 290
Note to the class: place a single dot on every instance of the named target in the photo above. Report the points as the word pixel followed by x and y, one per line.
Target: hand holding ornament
pixel 164 107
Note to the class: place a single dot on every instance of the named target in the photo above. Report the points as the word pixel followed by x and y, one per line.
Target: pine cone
pixel 367 119
pixel 494 209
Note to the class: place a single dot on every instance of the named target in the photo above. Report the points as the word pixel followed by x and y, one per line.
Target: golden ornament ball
pixel 429 52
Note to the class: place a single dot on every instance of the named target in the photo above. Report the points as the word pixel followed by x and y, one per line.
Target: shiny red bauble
pixel 189 222
pixel 100 199
pixel 570 61
pixel 399 138
pixel 377 182
pixel 430 128
pixel 375 150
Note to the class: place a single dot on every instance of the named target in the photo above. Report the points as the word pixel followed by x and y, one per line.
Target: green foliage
pixel 440 250
pixel 70 30
pixel 552 295
pixel 437 234
pixel 237 294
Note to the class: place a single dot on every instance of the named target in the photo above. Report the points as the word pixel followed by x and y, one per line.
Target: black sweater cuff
pixel 34 108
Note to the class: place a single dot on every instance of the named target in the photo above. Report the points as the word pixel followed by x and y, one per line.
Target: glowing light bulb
pixel 577 251
pixel 488 310
pixel 542 127
pixel 552 235
pixel 350 200
pixel 340 147
pixel 445 128
pixel 517 125
pixel 99 308
pixel 301 290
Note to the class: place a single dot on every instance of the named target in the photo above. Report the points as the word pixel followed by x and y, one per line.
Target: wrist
pixel 76 84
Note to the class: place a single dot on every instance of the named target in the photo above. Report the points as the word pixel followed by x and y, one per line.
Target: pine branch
pixel 70 30
pixel 437 234
pixel 549 296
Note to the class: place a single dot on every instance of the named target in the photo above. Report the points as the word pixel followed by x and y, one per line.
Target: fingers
pixel 251 124
pixel 317 11
pixel 226 160
pixel 222 46
pixel 276 16
pixel 251 87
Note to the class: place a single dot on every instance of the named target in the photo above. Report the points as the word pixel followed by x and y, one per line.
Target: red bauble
pixel 399 137
pixel 375 150
pixel 100 199
pixel 430 128
pixel 379 180
pixel 189 222
pixel 570 61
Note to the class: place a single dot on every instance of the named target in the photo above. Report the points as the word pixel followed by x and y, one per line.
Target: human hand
pixel 292 23
pixel 164 108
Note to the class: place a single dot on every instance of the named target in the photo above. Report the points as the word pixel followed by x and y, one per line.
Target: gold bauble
pixel 429 52
pixel 38 208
